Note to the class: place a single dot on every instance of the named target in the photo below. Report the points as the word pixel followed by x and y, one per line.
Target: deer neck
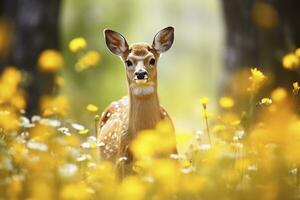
pixel 144 112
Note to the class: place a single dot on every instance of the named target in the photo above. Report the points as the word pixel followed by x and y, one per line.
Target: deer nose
pixel 141 74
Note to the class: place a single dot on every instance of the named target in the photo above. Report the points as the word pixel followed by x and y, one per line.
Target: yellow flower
pixel 50 60
pixel 296 88
pixel 290 61
pixel 142 146
pixel 279 94
pixel 257 79
pixel 203 101
pixel 165 170
pixel 104 172
pixel 18 101
pixel 132 188
pixel 192 184
pixel 77 44
pixel 97 118
pixel 292 151
pixel 90 59
pixel 41 188
pixel 257 75
pixel 19 152
pixel 8 120
pixel 41 133
pixel 226 102
pixel 92 108
pixel 83 132
pixel 11 76
pixel 80 191
pixel 72 141
pixel 150 143
pixel 7 92
pixel 297 52
pixel 9 86
pixel 54 105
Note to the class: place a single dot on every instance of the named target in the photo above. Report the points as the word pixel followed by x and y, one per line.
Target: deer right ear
pixel 115 42
pixel 163 40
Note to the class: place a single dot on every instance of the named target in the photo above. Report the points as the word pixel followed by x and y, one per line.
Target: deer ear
pixel 115 42
pixel 163 40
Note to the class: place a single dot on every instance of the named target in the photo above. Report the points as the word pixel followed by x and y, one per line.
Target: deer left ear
pixel 163 40
pixel 115 42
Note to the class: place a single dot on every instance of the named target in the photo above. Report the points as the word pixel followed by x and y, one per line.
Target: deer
pixel 122 120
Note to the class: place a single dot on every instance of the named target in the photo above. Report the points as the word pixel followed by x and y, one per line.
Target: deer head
pixel 140 59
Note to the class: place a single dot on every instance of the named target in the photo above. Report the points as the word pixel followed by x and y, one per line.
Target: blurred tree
pixel 34 27
pixel 258 34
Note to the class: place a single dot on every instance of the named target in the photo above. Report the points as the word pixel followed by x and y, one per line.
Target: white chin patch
pixel 139 91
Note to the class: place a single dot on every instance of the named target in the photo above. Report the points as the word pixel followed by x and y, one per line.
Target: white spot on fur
pixel 143 90
pixel 139 65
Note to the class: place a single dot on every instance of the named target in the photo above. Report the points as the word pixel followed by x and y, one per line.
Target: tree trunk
pixel 258 34
pixel 35 28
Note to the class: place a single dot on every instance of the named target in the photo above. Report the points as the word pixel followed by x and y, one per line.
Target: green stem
pixel 206 123
pixel 97 117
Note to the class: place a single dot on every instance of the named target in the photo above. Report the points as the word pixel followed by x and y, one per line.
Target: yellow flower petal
pixel 92 108
pixel 290 61
pixel 203 100
pixel 257 79
pixel 50 61
pixel 226 102
pixel 83 132
pixel 279 94
pixel 54 105
pixel 297 52
pixel 296 88
pixel 88 60
pixel 77 44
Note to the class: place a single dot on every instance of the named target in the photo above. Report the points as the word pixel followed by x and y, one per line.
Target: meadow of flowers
pixel 251 154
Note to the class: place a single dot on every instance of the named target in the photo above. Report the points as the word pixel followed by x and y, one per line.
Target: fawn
pixel 123 119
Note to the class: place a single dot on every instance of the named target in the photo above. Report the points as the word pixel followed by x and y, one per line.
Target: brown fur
pixel 123 119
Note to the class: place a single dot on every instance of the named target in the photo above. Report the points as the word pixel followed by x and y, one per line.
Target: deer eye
pixel 152 61
pixel 128 63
